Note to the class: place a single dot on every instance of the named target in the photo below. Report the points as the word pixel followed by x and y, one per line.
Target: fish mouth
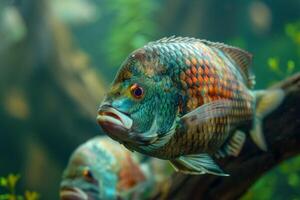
pixel 113 121
pixel 73 193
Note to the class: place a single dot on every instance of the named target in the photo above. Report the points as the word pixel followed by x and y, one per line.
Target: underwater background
pixel 57 59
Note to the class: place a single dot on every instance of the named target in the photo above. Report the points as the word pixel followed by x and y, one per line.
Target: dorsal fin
pixel 242 58
pixel 174 39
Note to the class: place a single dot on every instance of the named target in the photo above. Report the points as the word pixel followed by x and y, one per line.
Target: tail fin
pixel 266 102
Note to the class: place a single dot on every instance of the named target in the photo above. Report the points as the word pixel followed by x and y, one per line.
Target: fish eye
pixel 137 91
pixel 87 174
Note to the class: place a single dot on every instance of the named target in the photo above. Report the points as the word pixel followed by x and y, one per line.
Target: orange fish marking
pixel 200 70
pixel 211 90
pixel 188 72
pixel 187 62
pixel 195 102
pixel 194 79
pixel 206 62
pixel 225 83
pixel 182 76
pixel 216 89
pixel 228 93
pixel 190 92
pixel 190 105
pixel 195 91
pixel 130 174
pixel 194 61
pixel 206 69
pixel 201 62
pixel 194 70
pixel 200 100
pixel 206 79
pixel 184 84
pixel 200 78
pixel 189 81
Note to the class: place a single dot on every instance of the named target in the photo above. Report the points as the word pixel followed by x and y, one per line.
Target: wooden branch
pixel 281 130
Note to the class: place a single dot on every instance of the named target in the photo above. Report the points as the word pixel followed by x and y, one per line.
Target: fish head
pixel 92 171
pixel 80 180
pixel 132 110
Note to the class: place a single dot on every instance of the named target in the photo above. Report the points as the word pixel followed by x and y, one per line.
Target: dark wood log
pixel 281 129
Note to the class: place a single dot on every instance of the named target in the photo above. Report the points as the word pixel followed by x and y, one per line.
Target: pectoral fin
pixel 208 111
pixel 159 142
pixel 197 164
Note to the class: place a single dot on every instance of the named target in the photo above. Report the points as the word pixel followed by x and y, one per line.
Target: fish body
pixel 185 100
pixel 102 169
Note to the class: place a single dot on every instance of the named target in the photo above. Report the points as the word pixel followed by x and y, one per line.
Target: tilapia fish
pixel 186 100
pixel 101 169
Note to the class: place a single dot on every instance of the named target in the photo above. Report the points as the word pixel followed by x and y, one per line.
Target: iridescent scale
pixel 203 74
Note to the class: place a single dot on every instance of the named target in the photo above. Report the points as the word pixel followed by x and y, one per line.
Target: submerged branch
pixel 281 129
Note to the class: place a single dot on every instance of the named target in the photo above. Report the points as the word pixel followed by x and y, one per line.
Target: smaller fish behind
pixel 102 169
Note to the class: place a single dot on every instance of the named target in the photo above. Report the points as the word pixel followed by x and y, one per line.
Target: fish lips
pixel 73 193
pixel 114 122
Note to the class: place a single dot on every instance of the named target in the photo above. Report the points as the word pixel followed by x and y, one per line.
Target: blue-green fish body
pixel 186 100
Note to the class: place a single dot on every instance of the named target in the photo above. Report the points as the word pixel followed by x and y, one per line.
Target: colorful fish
pixel 103 169
pixel 186 100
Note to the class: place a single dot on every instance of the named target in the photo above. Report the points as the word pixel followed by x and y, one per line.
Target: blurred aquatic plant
pixel 292 30
pixel 283 67
pixel 75 12
pixel 9 184
pixel 12 27
pixel 283 72
pixel 291 172
pixel 282 182
pixel 131 28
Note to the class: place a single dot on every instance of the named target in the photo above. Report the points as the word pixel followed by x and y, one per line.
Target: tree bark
pixel 281 129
